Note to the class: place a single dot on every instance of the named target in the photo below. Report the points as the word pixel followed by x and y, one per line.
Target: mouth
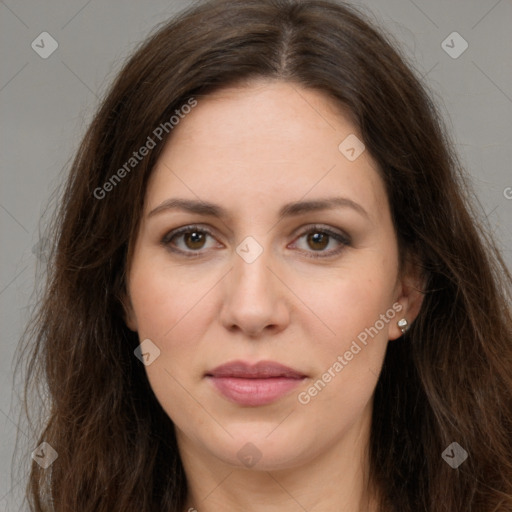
pixel 254 384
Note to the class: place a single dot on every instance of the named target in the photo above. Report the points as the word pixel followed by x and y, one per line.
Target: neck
pixel 335 479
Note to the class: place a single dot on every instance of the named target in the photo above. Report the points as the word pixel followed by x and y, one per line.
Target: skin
pixel 252 149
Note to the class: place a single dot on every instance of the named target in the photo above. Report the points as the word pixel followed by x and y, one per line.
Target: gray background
pixel 46 104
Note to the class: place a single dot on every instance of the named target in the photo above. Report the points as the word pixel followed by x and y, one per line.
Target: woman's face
pixel 315 289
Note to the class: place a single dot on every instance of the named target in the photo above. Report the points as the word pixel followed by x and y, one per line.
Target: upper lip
pixel 259 370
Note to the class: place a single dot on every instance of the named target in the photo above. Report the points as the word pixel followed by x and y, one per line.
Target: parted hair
pixel 449 378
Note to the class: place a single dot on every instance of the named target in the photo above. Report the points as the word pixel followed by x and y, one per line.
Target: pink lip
pixel 257 384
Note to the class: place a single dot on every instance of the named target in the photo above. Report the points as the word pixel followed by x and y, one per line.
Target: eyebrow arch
pixel 288 210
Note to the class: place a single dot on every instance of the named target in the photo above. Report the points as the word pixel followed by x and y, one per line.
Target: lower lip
pixel 254 392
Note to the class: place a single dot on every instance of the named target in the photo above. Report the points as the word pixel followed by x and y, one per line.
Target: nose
pixel 255 300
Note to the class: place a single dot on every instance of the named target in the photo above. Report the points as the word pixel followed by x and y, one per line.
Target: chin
pixel 259 448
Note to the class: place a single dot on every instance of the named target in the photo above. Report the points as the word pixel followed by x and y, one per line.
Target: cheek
pixel 356 312
pixel 170 311
pixel 166 299
pixel 174 307
pixel 351 301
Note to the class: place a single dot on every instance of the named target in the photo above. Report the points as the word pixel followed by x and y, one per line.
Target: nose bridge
pixel 253 298
pixel 251 275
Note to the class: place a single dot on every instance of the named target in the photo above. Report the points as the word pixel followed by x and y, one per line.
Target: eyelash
pixel 342 239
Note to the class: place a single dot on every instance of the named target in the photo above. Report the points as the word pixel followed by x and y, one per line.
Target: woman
pixel 269 291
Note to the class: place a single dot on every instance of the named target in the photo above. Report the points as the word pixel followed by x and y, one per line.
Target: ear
pixel 128 313
pixel 409 294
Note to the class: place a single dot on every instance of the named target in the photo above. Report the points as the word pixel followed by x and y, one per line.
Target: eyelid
pixel 185 229
pixel 341 237
pixel 324 229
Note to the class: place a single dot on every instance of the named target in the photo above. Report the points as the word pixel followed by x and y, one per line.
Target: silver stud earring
pixel 403 324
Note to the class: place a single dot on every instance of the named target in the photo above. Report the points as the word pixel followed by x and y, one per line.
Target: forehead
pixel 270 118
pixel 267 139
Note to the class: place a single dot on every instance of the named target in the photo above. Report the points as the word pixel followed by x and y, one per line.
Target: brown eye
pixel 189 240
pixel 194 239
pixel 317 240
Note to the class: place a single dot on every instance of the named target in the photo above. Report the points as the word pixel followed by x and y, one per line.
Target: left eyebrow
pixel 329 203
pixel 288 210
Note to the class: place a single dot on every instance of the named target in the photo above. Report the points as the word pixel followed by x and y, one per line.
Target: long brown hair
pixel 447 380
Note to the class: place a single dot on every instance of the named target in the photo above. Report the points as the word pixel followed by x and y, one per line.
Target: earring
pixel 403 324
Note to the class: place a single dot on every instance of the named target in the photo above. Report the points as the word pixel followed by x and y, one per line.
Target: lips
pixel 260 370
pixel 254 384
